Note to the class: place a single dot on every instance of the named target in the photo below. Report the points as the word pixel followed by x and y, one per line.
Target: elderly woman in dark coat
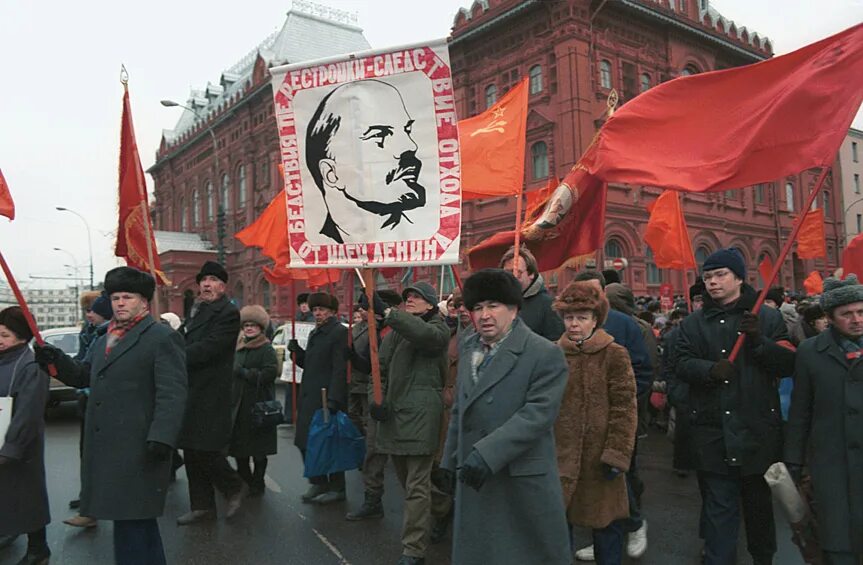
pixel 23 496
pixel 595 430
pixel 255 371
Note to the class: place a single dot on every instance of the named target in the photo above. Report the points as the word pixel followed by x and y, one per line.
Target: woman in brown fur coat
pixel 595 431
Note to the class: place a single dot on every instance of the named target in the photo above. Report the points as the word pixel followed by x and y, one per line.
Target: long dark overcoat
pixel 826 423
pixel 211 337
pixel 518 515
pixel 137 394
pixel 324 363
pixel 255 384
pixel 23 496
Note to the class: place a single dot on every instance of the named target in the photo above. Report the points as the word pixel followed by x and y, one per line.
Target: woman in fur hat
pixel 595 431
pixel 255 372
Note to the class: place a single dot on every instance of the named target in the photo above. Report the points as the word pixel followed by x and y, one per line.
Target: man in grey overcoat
pixel 826 422
pixel 508 500
pixel 137 378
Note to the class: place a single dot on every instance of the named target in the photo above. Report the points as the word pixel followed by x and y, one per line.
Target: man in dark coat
pixel 536 309
pixel 736 424
pixel 137 378
pixel 501 435
pixel 304 313
pixel 826 422
pixel 211 333
pixel 324 363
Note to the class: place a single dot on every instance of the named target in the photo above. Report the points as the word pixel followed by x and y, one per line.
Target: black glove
pixel 796 472
pixel 610 473
pixel 722 371
pixel 158 452
pixel 379 412
pixel 379 305
pixel 445 481
pixel 294 346
pixel 333 406
pixel 750 326
pixel 475 472
pixel 49 355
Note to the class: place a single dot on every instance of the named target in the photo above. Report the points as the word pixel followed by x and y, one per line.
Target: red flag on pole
pixel 813 284
pixel 667 235
pixel 852 258
pixel 135 240
pixel 810 242
pixel 7 206
pixel 765 267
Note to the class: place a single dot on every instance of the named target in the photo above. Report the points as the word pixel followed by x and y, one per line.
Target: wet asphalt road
pixel 279 529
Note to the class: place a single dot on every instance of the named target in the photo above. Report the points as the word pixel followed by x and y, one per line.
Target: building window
pixel 196 208
pixel 210 205
pixel 613 249
pixel 759 194
pixel 854 156
pixel 183 218
pixel 265 173
pixel 701 255
pixel 731 195
pixel 490 95
pixel 826 196
pixel 688 70
pixel 789 196
pixel 859 223
pixel 241 187
pixel 605 74
pixel 535 74
pixel 645 82
pixel 265 294
pixel 654 275
pixel 224 200
pixel 539 157
pixel 856 183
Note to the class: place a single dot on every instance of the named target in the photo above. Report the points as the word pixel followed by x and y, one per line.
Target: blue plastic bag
pixel 333 446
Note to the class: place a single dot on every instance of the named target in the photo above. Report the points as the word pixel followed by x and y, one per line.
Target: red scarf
pixel 117 329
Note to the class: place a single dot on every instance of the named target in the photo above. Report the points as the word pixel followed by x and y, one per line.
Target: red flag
pixel 536 199
pixel 135 240
pixel 7 206
pixel 813 284
pixel 765 268
pixel 737 127
pixel 492 147
pixel 852 258
pixel 810 241
pixel 667 235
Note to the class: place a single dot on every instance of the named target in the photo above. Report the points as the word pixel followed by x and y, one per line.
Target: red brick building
pixel 222 153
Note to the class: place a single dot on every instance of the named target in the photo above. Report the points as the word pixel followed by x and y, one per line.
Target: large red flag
pixel 667 235
pixel 737 127
pixel 813 284
pixel 492 147
pixel 852 258
pixel 135 240
pixel 7 206
pixel 810 241
pixel 765 267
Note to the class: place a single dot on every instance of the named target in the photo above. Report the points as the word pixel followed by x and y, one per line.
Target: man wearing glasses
pixel 736 423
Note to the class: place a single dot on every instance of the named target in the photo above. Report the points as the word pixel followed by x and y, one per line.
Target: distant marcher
pixel 775 297
pixel 536 310
pixel 304 312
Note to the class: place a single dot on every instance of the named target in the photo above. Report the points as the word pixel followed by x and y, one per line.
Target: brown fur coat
pixel 596 425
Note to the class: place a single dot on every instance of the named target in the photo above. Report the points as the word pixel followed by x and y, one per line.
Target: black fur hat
pixel 324 300
pixel 214 269
pixel 492 284
pixel 127 279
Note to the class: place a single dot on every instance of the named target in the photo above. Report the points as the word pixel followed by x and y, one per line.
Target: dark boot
pixel 440 529
pixel 36 557
pixel 256 485
pixel 372 508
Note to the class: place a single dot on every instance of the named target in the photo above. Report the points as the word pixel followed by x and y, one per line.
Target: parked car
pixel 65 339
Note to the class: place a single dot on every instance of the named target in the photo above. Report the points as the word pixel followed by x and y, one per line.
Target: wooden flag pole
pixel 31 322
pixel 786 249
pixel 377 390
pixel 350 301
pixel 293 355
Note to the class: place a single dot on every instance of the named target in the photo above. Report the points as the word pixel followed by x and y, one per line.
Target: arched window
pixel 689 69
pixel 208 194
pixel 535 74
pixel 183 217
pixel 224 199
pixel 196 208
pixel 539 158
pixel 645 82
pixel 654 275
pixel 490 95
pixel 789 196
pixel 701 255
pixel 605 74
pixel 613 249
pixel 241 187
pixel 265 294
pixel 238 294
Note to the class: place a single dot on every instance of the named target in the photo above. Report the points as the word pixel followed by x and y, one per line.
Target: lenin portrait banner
pixel 370 150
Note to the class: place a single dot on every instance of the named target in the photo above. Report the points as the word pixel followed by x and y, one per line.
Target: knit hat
pixel 492 284
pixel 13 318
pixel 776 294
pixel 256 314
pixel 582 295
pixel 127 279
pixel 214 269
pixel 323 300
pixel 839 293
pixel 424 289
pixel 87 298
pixel 728 258
pixel 102 306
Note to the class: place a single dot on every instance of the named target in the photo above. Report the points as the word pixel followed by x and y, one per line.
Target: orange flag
pixel 813 284
pixel 765 268
pixel 135 240
pixel 7 206
pixel 492 147
pixel 667 235
pixel 810 241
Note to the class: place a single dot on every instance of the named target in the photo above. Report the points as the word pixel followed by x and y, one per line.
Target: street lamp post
pixel 89 239
pixel 220 232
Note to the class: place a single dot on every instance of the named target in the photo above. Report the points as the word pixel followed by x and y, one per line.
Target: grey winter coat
pixel 537 312
pixel 23 496
pixel 518 515
pixel 826 423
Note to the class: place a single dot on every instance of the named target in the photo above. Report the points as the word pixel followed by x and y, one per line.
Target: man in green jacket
pixel 413 361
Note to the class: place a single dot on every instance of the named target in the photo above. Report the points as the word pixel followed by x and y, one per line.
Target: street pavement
pixel 278 529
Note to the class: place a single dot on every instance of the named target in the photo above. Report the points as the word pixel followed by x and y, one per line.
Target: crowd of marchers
pixel 510 415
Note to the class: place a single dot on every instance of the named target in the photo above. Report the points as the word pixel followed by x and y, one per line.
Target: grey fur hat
pixel 840 292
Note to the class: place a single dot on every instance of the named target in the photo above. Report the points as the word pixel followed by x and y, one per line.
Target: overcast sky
pixel 60 94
